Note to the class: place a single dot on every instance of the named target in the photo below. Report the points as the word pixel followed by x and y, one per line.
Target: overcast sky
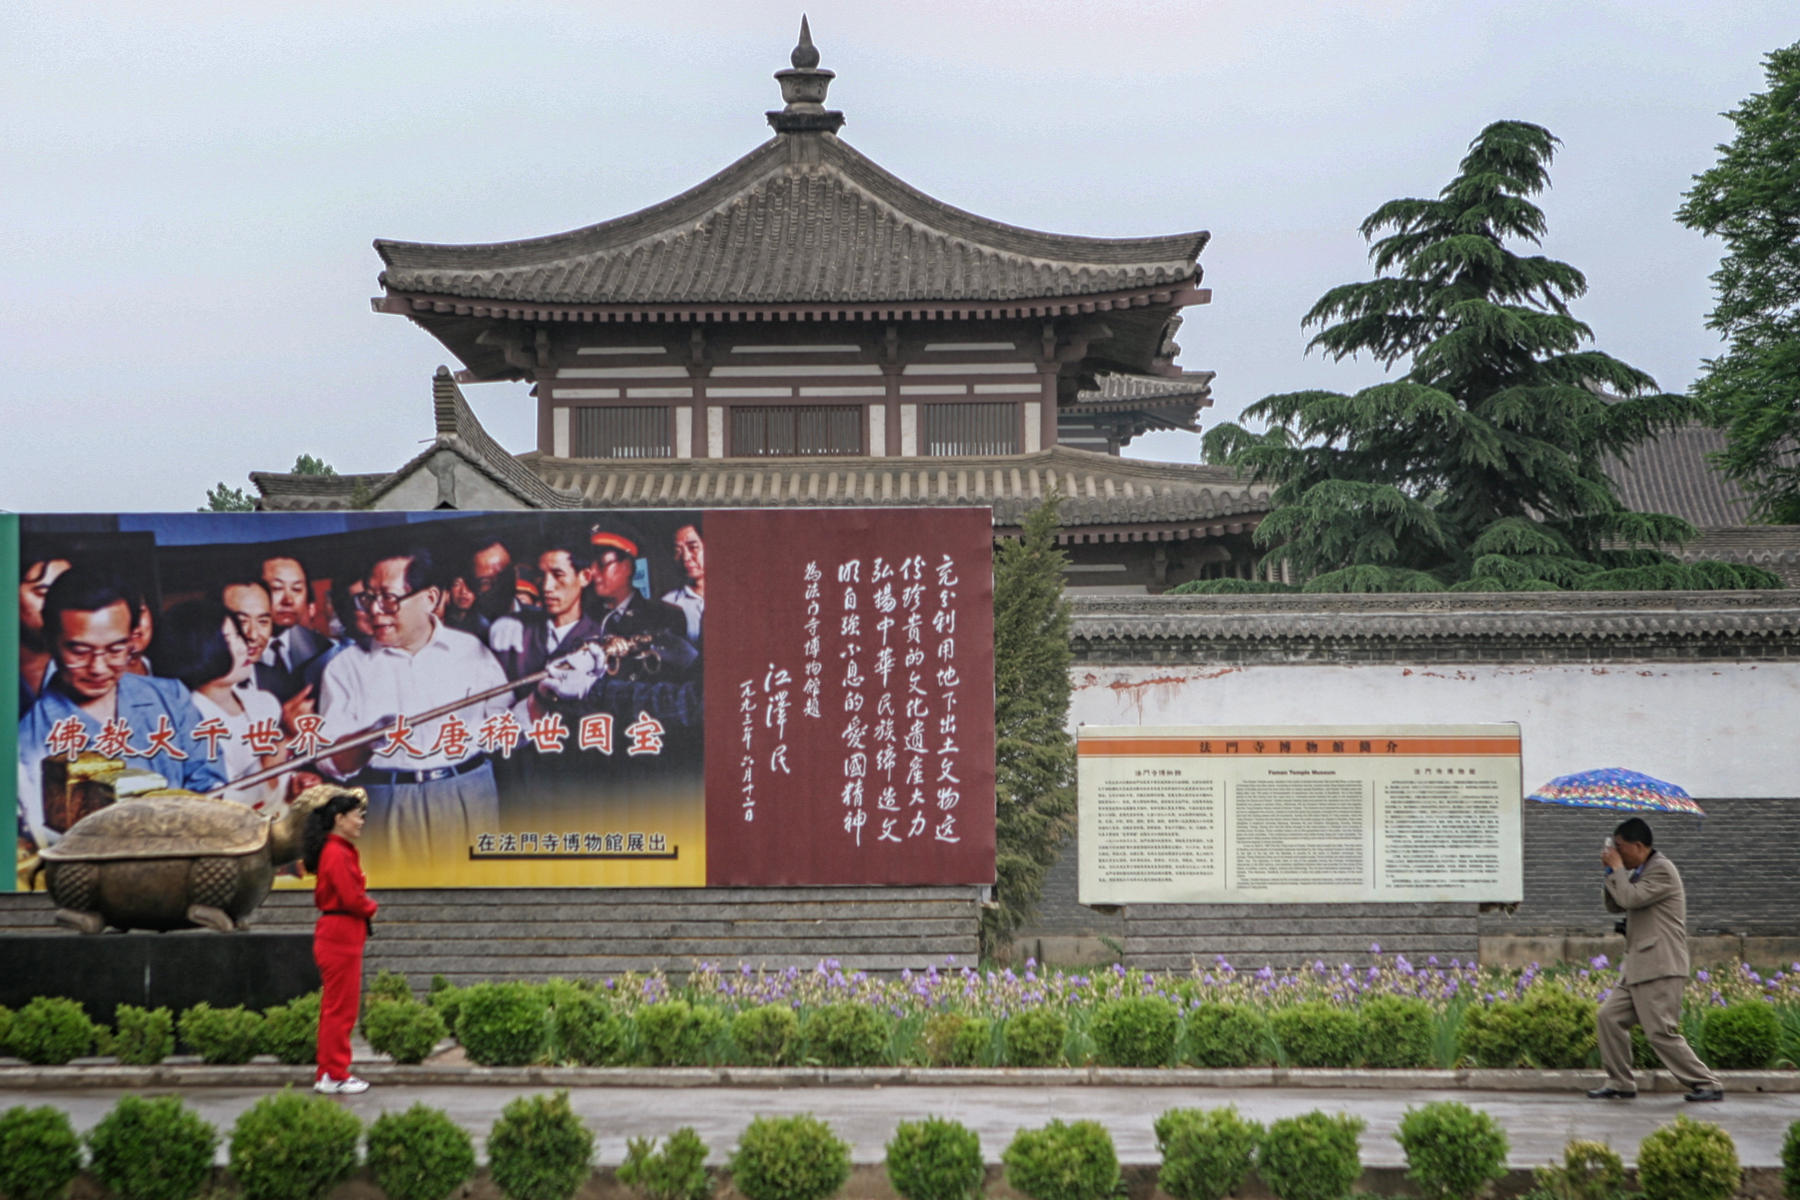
pixel 190 189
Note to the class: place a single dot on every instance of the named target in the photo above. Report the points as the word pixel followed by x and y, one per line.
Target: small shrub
pixel 152 1149
pixel 39 1153
pixel 222 1035
pixel 291 1031
pixel 539 1149
pixel 1549 1028
pixel 1313 1156
pixel 1688 1160
pixel 674 1033
pixel 1035 1037
pixel 6 1025
pixel 503 1024
pixel 590 1031
pixel 144 1036
pixel 676 1172
pixel 1073 1161
pixel 789 1158
pixel 1588 1171
pixel 51 1030
pixel 1136 1031
pixel 291 1146
pixel 1452 1151
pixel 938 1035
pixel 1745 1036
pixel 935 1159
pixel 404 1030
pixel 1226 1035
pixel 972 1045
pixel 388 985
pixel 1319 1034
pixel 767 1035
pixel 848 1035
pixel 446 997
pixel 420 1154
pixel 1790 1162
pixel 1397 1032
pixel 1206 1153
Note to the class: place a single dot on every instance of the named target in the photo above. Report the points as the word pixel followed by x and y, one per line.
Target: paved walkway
pixel 1538 1123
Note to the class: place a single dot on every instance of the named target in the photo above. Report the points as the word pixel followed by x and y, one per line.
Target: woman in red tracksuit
pixel 345 916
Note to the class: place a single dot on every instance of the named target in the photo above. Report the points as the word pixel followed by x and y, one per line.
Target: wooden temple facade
pixel 805 328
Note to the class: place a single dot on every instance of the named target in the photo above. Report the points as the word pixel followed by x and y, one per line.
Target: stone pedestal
pixel 255 968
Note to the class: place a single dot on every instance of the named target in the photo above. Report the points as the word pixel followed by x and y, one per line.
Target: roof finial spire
pixel 806 55
pixel 803 86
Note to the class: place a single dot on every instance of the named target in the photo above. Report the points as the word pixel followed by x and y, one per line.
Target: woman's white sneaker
pixel 325 1085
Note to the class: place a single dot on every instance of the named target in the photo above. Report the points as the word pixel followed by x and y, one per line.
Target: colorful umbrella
pixel 1615 787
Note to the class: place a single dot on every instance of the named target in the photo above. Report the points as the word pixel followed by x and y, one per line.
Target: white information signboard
pixel 1299 814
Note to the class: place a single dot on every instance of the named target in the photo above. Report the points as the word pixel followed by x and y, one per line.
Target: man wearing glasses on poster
pixel 431 788
pixel 94 702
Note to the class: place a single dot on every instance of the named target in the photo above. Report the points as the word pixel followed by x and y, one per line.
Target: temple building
pixel 805 328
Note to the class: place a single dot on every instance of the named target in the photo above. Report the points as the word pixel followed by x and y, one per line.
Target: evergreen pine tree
pixel 1034 757
pixel 1482 466
pixel 1751 200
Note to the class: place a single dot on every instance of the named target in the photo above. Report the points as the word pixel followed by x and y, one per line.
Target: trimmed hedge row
pixel 297 1146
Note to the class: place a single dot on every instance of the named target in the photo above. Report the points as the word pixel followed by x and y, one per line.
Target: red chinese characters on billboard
pixel 850 702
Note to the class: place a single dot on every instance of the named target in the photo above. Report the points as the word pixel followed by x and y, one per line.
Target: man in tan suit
pixel 1646 887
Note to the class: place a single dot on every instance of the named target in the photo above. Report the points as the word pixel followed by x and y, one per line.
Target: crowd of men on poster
pixel 745 696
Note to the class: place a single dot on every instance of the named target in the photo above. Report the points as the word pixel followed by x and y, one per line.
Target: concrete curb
pixel 103 1074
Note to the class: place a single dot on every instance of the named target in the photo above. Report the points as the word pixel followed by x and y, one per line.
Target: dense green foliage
pixel 539 1149
pixel 767 1035
pixel 675 1172
pixel 1206 1153
pixel 1548 1028
pixel 404 1030
pixel 789 1158
pixel 222 1035
pixel 1226 1035
pixel 1035 1037
pixel 153 1149
pixel 935 1159
pixel 1688 1160
pixel 678 1034
pixel 420 1154
pixel 1313 1156
pixel 848 1035
pixel 1588 1171
pixel 1136 1031
pixel 39 1153
pixel 1398 1032
pixel 503 1024
pixel 1034 758
pixel 1483 466
pixel 589 1030
pixel 1318 1034
pixel 51 1030
pixel 292 1146
pixel 1751 201
pixel 291 1031
pixel 1790 1162
pixel 1063 1161
pixel 142 1037
pixel 1452 1151
pixel 1745 1036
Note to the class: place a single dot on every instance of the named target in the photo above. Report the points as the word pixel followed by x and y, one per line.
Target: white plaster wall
pixel 1728 730
pixel 474 492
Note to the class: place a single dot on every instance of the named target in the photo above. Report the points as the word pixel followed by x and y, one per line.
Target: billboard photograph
pixel 676 698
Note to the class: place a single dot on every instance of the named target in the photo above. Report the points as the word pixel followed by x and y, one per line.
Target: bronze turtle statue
pixel 172 860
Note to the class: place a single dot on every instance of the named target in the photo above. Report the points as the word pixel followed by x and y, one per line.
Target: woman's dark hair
pixel 191 645
pixel 319 824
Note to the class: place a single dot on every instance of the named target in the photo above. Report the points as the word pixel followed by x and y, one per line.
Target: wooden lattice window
pixel 783 430
pixel 637 432
pixel 970 429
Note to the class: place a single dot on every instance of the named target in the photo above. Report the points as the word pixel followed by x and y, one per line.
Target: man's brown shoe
pixel 1611 1093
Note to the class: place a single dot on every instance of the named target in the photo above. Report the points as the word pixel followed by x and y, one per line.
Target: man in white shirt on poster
pixel 430 785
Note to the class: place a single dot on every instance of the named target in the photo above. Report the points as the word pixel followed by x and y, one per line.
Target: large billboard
pixel 675 698
pixel 1299 814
